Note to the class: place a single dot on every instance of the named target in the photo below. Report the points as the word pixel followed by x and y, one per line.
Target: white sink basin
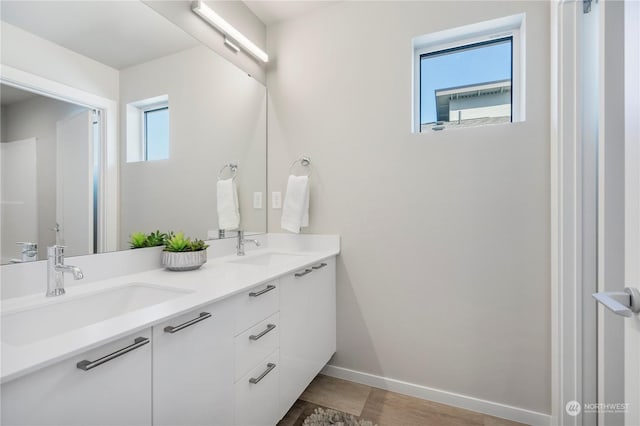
pixel 41 322
pixel 268 259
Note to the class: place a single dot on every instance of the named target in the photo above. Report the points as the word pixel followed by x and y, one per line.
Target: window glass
pixel 466 86
pixel 156 128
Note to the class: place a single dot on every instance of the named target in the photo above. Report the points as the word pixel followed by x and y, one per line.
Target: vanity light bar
pixel 215 20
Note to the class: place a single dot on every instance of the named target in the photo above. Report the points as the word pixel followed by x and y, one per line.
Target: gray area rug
pixel 322 417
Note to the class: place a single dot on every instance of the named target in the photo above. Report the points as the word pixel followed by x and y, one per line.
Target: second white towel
pixel 228 208
pixel 295 210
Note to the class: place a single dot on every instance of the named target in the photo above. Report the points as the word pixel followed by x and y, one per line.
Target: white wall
pixel 444 276
pixel 217 116
pixel 51 61
pixel 37 117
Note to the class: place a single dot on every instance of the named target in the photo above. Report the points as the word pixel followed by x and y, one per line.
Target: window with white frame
pixel 148 129
pixel 469 76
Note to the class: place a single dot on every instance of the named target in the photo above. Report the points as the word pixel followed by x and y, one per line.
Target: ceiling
pixel 117 33
pixel 272 11
pixel 121 34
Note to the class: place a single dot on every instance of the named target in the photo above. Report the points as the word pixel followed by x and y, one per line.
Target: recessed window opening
pixel 469 76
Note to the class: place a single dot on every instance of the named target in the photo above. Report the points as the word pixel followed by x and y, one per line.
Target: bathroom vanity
pixel 235 342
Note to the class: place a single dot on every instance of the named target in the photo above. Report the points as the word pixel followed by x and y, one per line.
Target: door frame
pixel 571 369
pixel 566 211
pixel 108 193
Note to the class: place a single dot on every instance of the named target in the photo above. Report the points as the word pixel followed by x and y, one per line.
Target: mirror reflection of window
pixel 156 134
pixel 147 125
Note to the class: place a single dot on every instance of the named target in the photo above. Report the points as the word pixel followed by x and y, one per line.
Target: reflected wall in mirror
pixel 182 113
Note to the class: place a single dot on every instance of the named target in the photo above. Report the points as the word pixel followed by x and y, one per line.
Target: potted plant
pixel 182 254
pixel 140 239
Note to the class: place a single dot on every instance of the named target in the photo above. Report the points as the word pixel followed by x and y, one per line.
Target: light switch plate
pixel 276 200
pixel 257 200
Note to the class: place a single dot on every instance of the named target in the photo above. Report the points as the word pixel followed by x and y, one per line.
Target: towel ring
pixel 304 162
pixel 232 167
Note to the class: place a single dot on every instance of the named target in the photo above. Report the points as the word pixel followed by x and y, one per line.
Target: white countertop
pixel 218 279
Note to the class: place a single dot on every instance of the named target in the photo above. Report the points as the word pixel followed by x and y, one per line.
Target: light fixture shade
pixel 215 20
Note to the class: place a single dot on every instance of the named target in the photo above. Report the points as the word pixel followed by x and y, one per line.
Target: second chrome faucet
pixel 242 240
pixel 56 269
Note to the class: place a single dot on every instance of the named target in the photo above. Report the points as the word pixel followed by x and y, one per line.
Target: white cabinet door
pixel 193 368
pixel 308 327
pixel 257 394
pixel 113 389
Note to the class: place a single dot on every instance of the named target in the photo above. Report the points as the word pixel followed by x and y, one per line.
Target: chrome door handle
pixel 173 329
pixel 258 336
pixel 302 274
pixel 263 291
pixel 255 380
pixel 320 266
pixel 87 365
pixel 620 303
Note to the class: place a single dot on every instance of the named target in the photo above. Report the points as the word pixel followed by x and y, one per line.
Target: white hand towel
pixel 295 210
pixel 228 209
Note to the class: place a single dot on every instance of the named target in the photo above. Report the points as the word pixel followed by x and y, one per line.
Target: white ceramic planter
pixel 184 261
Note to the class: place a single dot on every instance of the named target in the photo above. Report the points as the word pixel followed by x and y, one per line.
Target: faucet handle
pixel 26 245
pixel 55 251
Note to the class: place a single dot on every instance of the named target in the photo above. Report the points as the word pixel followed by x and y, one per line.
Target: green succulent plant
pixel 197 245
pixel 179 243
pixel 156 238
pixel 138 240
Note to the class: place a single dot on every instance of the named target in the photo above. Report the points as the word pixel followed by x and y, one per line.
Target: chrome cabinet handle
pixel 87 365
pixel 173 329
pixel 302 274
pixel 268 329
pixel 263 291
pixel 320 266
pixel 255 380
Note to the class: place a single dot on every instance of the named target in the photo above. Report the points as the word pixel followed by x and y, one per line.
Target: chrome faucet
pixel 56 269
pixel 242 240
pixel 29 251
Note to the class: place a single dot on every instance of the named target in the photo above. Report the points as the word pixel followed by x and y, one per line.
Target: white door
pixel 627 303
pixel 74 197
pixel 632 205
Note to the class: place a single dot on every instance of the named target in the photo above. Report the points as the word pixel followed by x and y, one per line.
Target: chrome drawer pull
pixel 263 291
pixel 173 329
pixel 302 274
pixel 270 367
pixel 320 266
pixel 268 329
pixel 87 365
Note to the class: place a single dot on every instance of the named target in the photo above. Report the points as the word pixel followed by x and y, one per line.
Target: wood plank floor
pixel 381 407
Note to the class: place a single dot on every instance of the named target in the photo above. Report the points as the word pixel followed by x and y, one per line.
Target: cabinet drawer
pixel 256 304
pixel 256 343
pixel 257 394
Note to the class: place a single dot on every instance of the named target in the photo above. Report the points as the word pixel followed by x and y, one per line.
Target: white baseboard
pixel 449 398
